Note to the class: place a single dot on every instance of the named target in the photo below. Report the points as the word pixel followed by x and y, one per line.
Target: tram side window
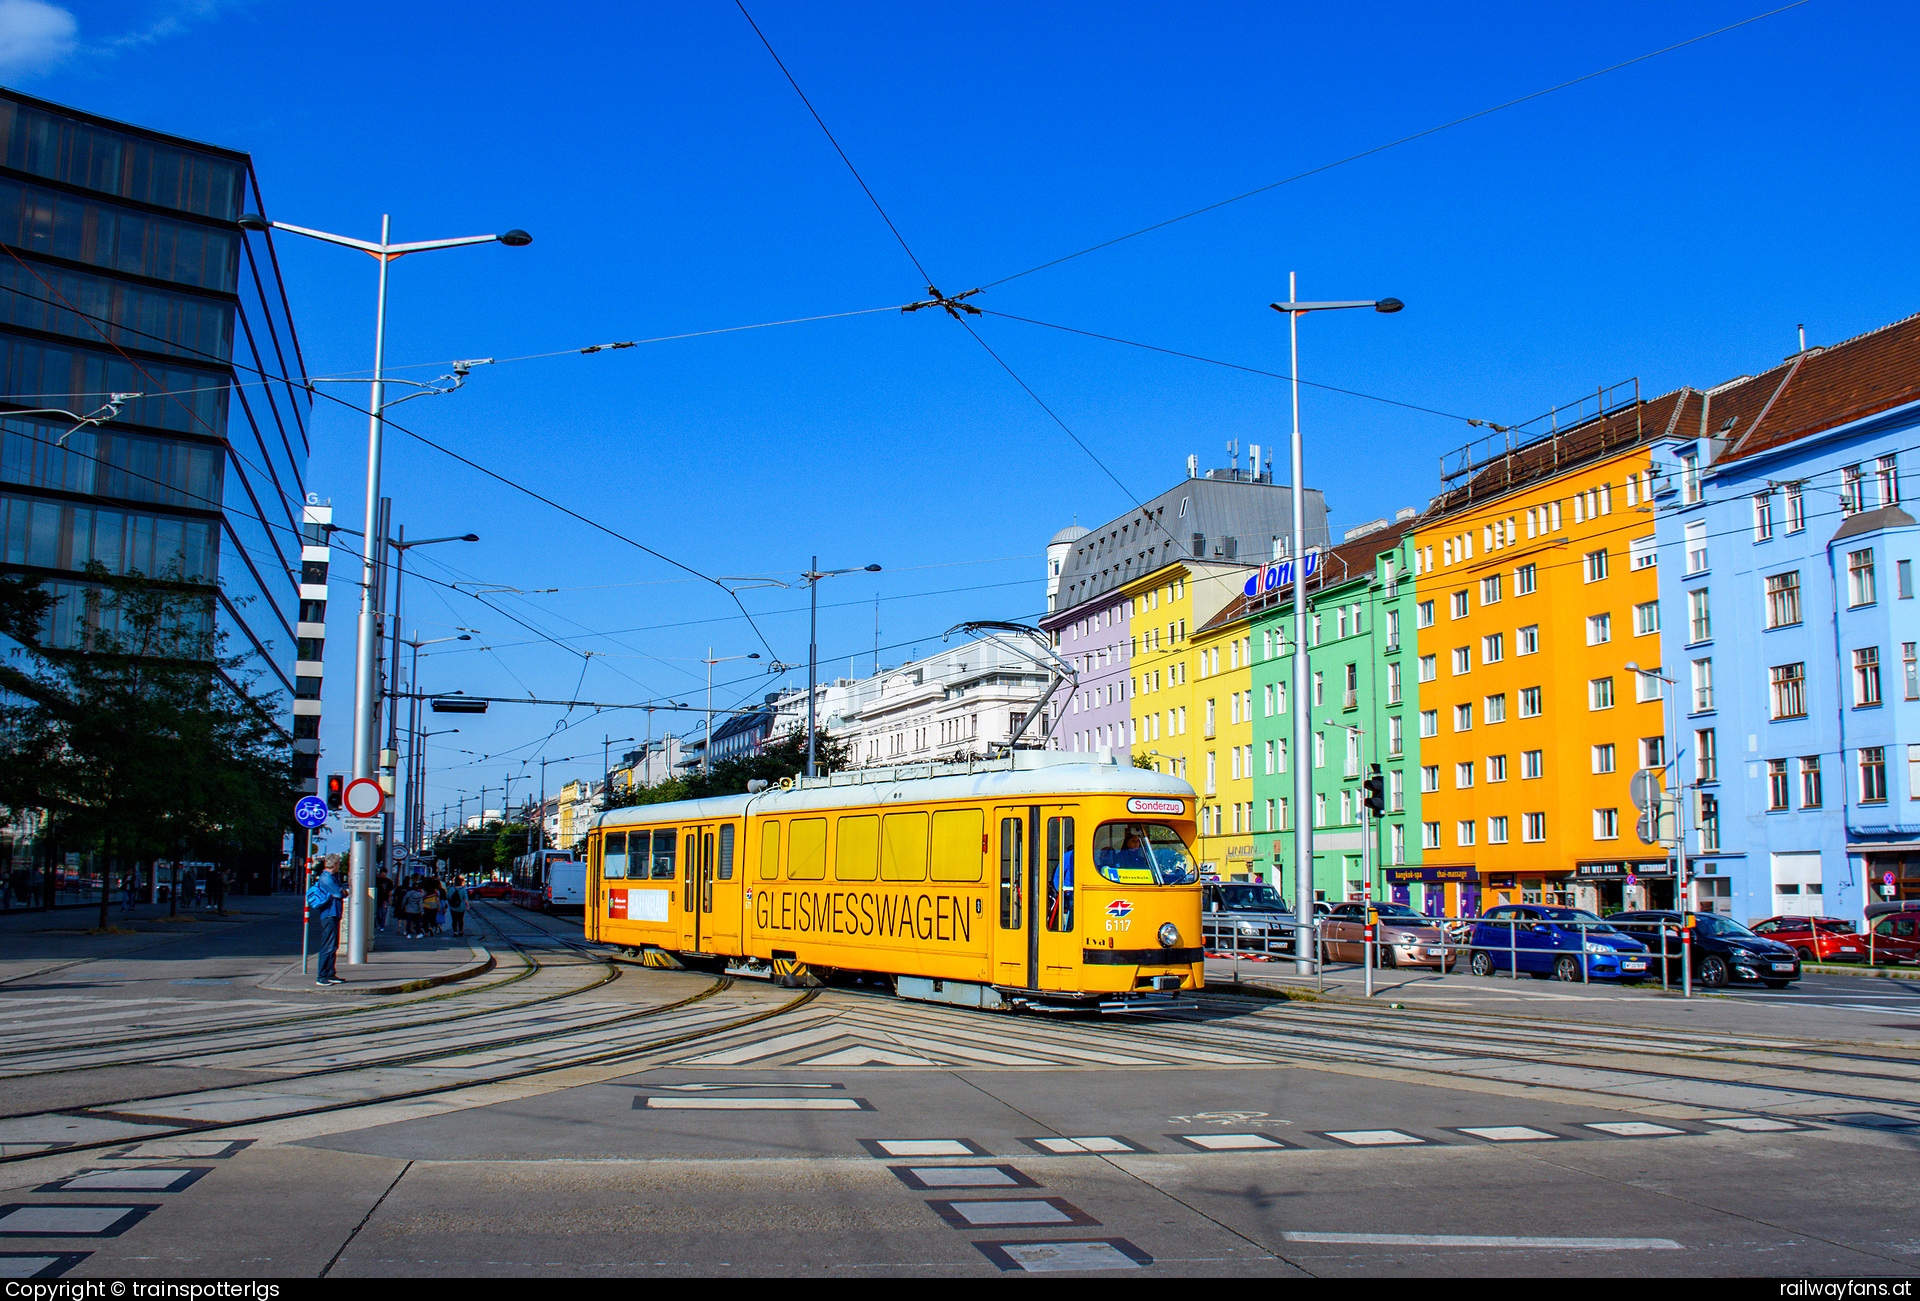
pixel 1059 874
pixel 613 859
pixel 857 851
pixel 1142 853
pixel 1012 860
pixel 903 847
pixel 663 847
pixel 769 851
pixel 724 870
pixel 959 844
pixel 807 850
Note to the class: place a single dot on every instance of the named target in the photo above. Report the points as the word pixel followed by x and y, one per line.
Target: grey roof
pixel 1219 519
pixel 1070 533
pixel 1872 521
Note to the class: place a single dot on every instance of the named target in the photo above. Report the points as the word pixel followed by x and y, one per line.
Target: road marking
pixel 1873 1120
pixel 751 1104
pixel 1509 1133
pixel 1632 1128
pixel 1013 1213
pixel 1231 1142
pixel 143 1179
pixel 1753 1124
pixel 1054 1257
pixel 204 1149
pixel 885 1147
pixel 71 1220
pixel 1374 1138
pixel 708 1086
pixel 922 1178
pixel 1483 1240
pixel 38 1265
pixel 1090 1143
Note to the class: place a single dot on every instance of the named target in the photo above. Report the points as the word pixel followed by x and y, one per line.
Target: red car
pixel 489 890
pixel 1894 931
pixel 1816 939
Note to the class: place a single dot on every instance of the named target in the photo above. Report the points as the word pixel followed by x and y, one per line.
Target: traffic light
pixel 1376 787
pixel 336 787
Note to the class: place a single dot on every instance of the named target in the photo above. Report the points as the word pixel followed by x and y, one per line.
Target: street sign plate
pixel 310 812
pixel 358 825
pixel 1642 789
pixel 362 798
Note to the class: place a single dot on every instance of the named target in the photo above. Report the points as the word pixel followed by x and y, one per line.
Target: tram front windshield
pixel 1142 853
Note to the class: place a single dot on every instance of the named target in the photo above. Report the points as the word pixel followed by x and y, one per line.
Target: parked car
pixel 1246 917
pixel 1553 942
pixel 1893 931
pixel 1816 939
pixel 1403 938
pixel 489 890
pixel 1723 949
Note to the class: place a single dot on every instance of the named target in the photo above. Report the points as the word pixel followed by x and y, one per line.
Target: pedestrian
pixel 430 907
pixel 383 900
pixel 410 907
pixel 323 899
pixel 127 903
pixel 457 905
pixel 217 890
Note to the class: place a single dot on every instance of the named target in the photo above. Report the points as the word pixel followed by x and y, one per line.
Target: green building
pixel 1364 696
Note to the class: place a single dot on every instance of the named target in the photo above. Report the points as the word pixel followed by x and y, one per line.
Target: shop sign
pixel 1430 875
pixel 1279 574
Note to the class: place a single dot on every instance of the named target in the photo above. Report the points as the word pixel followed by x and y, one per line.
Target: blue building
pixel 1790 628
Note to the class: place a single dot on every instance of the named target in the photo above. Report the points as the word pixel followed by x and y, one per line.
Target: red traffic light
pixel 336 789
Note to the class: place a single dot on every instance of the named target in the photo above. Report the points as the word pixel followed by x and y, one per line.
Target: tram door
pixel 1057 923
pixel 1011 949
pixel 696 888
pixel 720 911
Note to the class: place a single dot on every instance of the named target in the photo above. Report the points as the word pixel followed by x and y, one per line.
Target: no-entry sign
pixel 362 798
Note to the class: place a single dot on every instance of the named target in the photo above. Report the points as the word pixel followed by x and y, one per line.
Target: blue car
pixel 1555 943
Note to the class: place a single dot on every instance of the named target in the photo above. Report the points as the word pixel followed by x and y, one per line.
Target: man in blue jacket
pixel 323 900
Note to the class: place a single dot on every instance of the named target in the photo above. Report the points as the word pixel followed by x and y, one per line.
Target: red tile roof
pixel 1823 388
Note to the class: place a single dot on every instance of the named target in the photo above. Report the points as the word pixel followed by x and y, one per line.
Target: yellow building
pixel 1535 587
pixel 576 813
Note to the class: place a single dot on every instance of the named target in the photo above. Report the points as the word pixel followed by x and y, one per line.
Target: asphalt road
pixel 564 1117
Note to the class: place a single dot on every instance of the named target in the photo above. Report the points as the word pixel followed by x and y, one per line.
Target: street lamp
pixel 813 577
pixel 706 746
pixel 416 781
pixel 401 545
pixel 360 889
pixel 1302 772
pixel 416 770
pixel 1682 885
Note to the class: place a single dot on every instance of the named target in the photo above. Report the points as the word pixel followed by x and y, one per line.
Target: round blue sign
pixel 311 812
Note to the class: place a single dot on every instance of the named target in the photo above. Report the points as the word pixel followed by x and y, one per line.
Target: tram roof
pixel 1016 777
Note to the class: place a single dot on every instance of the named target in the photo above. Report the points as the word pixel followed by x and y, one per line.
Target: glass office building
pixel 123 272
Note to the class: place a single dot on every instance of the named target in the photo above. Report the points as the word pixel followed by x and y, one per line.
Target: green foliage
pixel 1143 761
pixel 471 853
pixel 515 839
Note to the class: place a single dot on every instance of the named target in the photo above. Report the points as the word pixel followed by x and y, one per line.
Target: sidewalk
pixel 394 965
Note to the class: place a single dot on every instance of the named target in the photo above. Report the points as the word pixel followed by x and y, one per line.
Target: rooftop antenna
pixel 1233 455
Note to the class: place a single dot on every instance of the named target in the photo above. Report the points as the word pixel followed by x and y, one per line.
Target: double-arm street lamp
pixel 360 888
pixel 1302 771
pixel 706 746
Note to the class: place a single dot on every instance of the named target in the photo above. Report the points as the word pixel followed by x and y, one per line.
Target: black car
pixel 1723 949
pixel 1246 918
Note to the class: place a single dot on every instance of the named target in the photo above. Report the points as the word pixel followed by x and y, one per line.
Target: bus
pixel 1035 880
pixel 549 880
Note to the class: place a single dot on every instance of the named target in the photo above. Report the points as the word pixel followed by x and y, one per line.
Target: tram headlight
pixel 1169 936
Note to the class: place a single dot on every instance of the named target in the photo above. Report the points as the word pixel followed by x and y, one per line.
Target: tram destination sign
pixel 1142 805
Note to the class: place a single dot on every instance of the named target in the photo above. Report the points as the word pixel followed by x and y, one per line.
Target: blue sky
pixel 1674 220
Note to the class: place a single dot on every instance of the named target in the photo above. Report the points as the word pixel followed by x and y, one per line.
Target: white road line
pixel 1483 1240
pixel 752 1104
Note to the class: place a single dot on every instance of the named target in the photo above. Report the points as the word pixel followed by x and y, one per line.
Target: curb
pixel 480 968
pixel 1862 969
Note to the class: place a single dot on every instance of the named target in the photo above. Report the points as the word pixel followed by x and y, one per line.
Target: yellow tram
pixel 1036 879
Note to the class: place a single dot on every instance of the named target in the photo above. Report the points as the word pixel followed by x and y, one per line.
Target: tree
pixel 141 734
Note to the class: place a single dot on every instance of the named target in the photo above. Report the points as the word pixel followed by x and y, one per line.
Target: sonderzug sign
pixel 1138 805
pixel 889 914
pixel 1280 574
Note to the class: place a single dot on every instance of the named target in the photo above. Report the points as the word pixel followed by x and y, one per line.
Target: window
pixel 1533 827
pixel 1702 686
pixel 1860 577
pixel 1796 509
pixel 1493 648
pixel 1783 599
pixel 1429 835
pixel 1530 702
pixel 1699 616
pixel 1689 477
pixel 1873 774
pixel 1653 752
pixel 1904 568
pixel 1397 843
pixel 1532 764
pixel 1887 479
pixel 1697 547
pixel 1646 618
pixel 1462 659
pixel 1762 516
pixel 1496 831
pixel 1596 565
pixel 1706 759
pixel 1600 693
pixel 1777 785
pixel 1495 709
pixel 1463 717
pixel 1429 722
pixel 1603 758
pixel 1423 614
pixel 1810 781
pixel 1866 677
pixel 1790 690
pixel 1852 491
pixel 1642 553
pixel 1460 605
pixel 1396 735
pixel 1463 775
pixel 1496 767
pixel 1648 686
pixel 1599 629
pixel 1526 641
pixel 1393 684
pixel 1709 822
pixel 1606 824
pixel 1910 669
pixel 1526 579
pixel 1396 791
pixel 1429 778
pixel 1429 667
pixel 1463 832
pixel 1490 589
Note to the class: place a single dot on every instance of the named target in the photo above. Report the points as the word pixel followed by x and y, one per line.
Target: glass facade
pixel 123 270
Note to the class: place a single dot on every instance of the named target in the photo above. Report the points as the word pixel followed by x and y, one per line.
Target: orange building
pixel 1535 588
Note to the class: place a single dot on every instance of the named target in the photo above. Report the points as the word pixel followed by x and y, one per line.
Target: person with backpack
pixel 410 906
pixel 382 900
pixel 457 905
pixel 323 900
pixel 430 907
